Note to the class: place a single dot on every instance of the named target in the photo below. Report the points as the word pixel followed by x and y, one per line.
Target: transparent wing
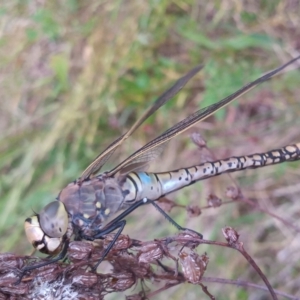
pixel 141 161
pixel 100 160
pixel 148 152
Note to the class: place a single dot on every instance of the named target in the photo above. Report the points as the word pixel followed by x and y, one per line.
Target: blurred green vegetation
pixel 76 74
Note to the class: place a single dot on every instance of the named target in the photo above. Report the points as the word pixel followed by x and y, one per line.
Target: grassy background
pixel 75 75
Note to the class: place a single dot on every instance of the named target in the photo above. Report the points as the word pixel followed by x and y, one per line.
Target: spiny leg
pixel 170 219
pixel 60 256
pixel 118 222
pixel 114 226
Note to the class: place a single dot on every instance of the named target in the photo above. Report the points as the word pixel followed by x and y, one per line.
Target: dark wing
pixel 150 150
pixel 100 160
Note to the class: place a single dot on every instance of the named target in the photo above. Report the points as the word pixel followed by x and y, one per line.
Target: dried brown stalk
pixel 131 261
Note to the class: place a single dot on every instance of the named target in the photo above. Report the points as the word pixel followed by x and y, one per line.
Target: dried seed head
pixel 230 235
pixel 125 261
pixel 75 281
pixel 84 279
pixel 214 201
pixel 10 261
pixel 47 273
pixel 150 252
pixel 121 281
pixel 188 238
pixel 232 193
pixel 193 266
pixel 7 285
pixel 79 251
pixel 122 243
pixel 193 210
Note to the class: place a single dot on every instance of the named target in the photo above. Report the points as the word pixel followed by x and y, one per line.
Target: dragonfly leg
pixel 120 224
pixel 60 256
pixel 117 223
pixel 171 220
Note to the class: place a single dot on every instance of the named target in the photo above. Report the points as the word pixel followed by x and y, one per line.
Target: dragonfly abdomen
pixel 155 185
pixel 193 174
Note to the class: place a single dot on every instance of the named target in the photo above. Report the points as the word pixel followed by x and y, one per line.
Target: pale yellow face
pixel 45 231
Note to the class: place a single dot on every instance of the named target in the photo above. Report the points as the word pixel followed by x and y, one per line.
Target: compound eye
pixel 33 231
pixel 54 219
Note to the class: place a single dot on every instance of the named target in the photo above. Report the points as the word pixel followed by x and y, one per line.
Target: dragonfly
pixel 96 204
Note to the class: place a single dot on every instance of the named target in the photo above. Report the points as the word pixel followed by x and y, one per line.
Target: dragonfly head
pixel 45 230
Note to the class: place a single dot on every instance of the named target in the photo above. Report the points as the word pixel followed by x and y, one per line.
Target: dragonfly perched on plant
pixel 97 203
